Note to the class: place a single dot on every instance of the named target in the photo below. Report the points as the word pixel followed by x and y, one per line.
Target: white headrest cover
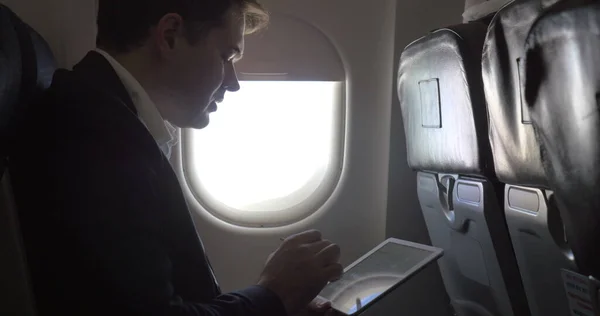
pixel 477 9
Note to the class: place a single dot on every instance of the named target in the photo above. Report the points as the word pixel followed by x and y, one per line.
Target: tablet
pixel 377 273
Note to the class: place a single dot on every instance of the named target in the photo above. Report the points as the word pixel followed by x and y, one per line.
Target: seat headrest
pixel 10 78
pixel 479 9
pixel 443 108
pixel 562 91
pixel 27 65
pixel 516 151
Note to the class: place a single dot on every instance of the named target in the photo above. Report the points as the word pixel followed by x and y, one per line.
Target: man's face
pixel 194 78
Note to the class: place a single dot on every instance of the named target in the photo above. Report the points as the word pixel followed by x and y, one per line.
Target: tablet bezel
pixel 436 253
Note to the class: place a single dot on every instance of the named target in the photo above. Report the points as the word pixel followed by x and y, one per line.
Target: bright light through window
pixel 270 146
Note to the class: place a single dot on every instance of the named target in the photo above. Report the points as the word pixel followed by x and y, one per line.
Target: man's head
pixel 182 51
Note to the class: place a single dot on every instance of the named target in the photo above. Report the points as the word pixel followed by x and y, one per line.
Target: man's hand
pixel 300 268
pixel 318 308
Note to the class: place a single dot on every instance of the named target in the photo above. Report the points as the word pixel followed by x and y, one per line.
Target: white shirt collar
pixel 163 132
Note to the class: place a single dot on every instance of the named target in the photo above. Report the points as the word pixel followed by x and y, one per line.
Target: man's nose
pixel 231 82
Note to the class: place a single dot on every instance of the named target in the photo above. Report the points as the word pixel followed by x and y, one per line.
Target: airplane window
pixel 271 153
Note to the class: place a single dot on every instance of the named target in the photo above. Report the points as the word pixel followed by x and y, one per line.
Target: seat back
pixel 562 91
pixel 445 119
pixel 27 66
pixel 532 215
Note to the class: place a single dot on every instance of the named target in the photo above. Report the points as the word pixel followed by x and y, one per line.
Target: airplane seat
pixel 445 120
pixel 532 215
pixel 27 65
pixel 562 91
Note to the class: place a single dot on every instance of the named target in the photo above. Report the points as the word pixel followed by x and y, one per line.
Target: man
pixel 106 226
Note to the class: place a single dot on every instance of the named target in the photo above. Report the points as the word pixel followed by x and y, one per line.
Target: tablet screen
pixel 374 275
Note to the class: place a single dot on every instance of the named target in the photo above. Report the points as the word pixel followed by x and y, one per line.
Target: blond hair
pixel 257 18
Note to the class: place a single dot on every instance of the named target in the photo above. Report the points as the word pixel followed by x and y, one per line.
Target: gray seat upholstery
pixel 445 119
pixel 532 215
pixel 26 67
pixel 562 89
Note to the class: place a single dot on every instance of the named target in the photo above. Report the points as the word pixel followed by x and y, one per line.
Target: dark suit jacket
pixel 105 223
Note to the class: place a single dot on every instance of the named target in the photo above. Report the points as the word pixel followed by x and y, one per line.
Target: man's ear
pixel 168 33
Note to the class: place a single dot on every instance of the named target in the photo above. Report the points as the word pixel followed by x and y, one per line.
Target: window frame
pixel 288 215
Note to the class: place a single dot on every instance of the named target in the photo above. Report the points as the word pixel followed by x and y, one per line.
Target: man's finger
pixel 322 307
pixel 318 246
pixel 269 257
pixel 330 254
pixel 319 305
pixel 334 272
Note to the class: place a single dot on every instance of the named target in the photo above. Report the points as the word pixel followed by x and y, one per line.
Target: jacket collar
pixel 96 70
